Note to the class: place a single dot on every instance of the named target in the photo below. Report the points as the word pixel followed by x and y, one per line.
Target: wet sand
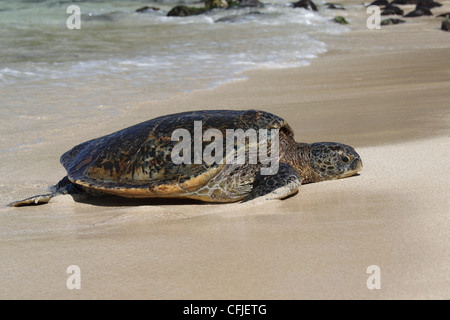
pixel 385 92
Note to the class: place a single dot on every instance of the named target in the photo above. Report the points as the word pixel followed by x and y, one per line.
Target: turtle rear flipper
pixel 65 186
pixel 35 200
pixel 278 186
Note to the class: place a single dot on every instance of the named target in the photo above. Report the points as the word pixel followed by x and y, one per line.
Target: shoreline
pixel 385 92
pixel 271 89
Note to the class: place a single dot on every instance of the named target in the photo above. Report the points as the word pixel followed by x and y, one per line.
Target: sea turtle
pixel 137 162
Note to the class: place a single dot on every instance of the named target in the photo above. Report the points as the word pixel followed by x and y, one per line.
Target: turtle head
pixel 331 160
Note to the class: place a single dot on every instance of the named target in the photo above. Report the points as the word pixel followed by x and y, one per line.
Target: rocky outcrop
pixel 380 3
pixel 306 4
pixel 184 11
pixel 445 24
pixel 147 9
pixel 430 4
pixel 391 21
pixel 334 6
pixel 423 8
pixel 418 12
pixel 404 2
pixel 236 17
pixel 392 10
pixel 216 4
pixel 250 3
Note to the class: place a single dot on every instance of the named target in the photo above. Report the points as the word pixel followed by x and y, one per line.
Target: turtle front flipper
pixel 278 186
pixel 65 186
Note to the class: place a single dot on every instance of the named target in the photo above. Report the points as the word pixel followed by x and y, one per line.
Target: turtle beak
pixel 355 166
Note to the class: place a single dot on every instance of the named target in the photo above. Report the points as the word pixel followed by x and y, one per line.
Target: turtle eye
pixel 345 159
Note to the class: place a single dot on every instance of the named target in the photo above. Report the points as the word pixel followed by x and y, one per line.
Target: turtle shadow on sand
pixel 116 201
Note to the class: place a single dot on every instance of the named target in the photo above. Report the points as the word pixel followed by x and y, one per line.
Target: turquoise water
pixel 55 77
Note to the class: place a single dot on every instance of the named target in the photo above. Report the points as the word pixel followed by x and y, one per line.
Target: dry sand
pixel 386 92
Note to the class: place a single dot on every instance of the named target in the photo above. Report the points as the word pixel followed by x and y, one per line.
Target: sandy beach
pixel 384 92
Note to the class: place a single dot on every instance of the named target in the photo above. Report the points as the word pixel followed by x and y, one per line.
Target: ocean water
pixel 53 77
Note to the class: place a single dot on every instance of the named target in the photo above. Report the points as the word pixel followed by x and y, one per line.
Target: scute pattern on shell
pixel 136 161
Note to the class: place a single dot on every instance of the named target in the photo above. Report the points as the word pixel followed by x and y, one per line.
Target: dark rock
pixel 436 4
pixel 423 8
pixel 183 11
pixel 216 4
pixel 306 4
pixel 334 6
pixel 231 19
pixel 427 4
pixel 380 3
pixel 392 10
pixel 340 20
pixel 143 9
pixel 404 2
pixel 236 17
pixel 390 21
pixel 444 15
pixel 420 11
pixel 251 3
pixel 233 4
pixel 445 24
pixel 147 8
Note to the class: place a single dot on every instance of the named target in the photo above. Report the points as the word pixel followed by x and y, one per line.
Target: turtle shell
pixel 136 161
